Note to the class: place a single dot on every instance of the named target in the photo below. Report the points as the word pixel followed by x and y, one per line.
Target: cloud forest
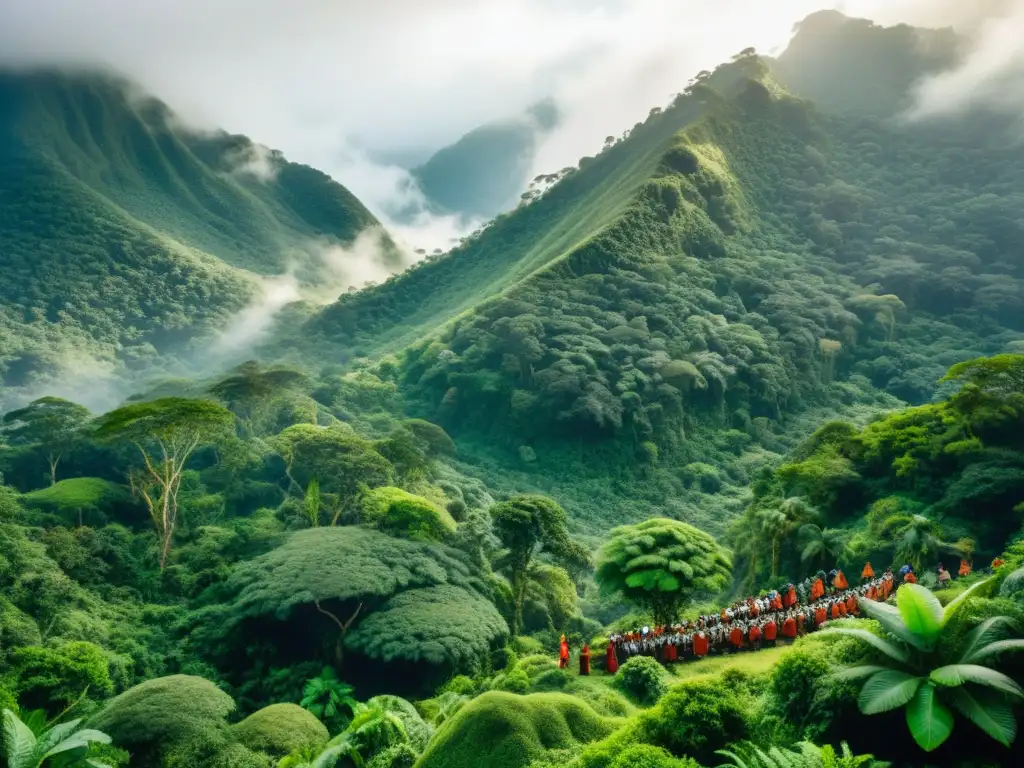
pixel 704 449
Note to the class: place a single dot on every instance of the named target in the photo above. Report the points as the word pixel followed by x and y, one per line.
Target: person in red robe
pixel 840 582
pixel 800 621
pixel 777 602
pixel 851 605
pixel 736 638
pixel 790 599
pixel 872 593
pixel 771 632
pixel 817 590
pixel 909 578
pixel 834 611
pixel 700 645
pixel 755 637
pixel 563 653
pixel 842 609
pixel 819 616
pixel 965 568
pixel 867 573
pixel 789 628
pixel 611 662
pixel 585 660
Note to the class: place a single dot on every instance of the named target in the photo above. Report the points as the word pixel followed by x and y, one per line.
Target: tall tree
pixel 660 563
pixel 527 525
pixel 821 544
pixel 166 432
pixel 250 387
pixel 330 466
pixel 52 423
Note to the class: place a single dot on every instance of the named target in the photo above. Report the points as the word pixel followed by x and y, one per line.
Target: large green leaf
pixel 891 650
pixel 887 690
pixel 892 622
pixel 958 674
pixel 985 633
pixel 929 720
pixel 79 740
pixel 993 649
pixel 957 601
pixel 18 741
pixel 856 673
pixel 993 716
pixel 921 611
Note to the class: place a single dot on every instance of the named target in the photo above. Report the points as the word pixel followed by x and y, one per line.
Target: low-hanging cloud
pixel 333 84
pixel 991 74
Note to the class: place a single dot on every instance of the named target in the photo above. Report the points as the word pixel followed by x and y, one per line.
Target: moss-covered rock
pixel 280 729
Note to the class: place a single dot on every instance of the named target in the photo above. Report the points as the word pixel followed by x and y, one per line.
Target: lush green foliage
pixel 931 675
pixel 65 744
pixel 660 564
pixel 507 731
pixel 280 729
pixel 643 678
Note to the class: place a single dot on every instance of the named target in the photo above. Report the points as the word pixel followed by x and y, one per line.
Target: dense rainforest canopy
pixel 767 333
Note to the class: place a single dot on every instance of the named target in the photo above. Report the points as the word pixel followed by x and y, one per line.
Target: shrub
pixel 499 730
pixel 460 684
pixel 281 729
pixel 416 729
pixel 158 714
pixel 648 756
pixel 695 718
pixel 403 514
pixel 53 678
pixel 516 681
pixel 643 678
pixel 397 756
pixel 1013 586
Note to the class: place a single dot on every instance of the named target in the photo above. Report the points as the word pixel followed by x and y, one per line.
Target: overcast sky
pixel 330 81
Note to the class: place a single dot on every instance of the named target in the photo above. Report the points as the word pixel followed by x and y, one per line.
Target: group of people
pixel 795 610
pixel 750 624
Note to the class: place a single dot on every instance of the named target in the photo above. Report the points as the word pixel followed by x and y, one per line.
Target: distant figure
pixel 563 653
pixel 908 575
pixel 585 660
pixel 700 645
pixel 789 628
pixel 611 663
pixel 839 582
pixel 867 573
pixel 944 577
pixel 817 590
pixel 965 568
pixel 997 563
pixel 790 599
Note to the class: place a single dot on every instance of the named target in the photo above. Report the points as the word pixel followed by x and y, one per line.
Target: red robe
pixel 755 634
pixel 872 593
pixel 851 605
pixel 671 653
pixel 835 611
pixel 585 660
pixel 817 589
pixel 777 602
pixel 563 654
pixel 788 628
pixel 800 621
pixel 736 637
pixel 840 581
pixel 965 568
pixel 909 578
pixel 997 563
pixel 790 599
pixel 868 572
pixel 819 616
pixel 611 663
pixel 770 630
pixel 700 645
pixel 842 608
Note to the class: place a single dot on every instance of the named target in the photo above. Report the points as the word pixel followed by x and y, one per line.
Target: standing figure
pixel 965 568
pixel 611 662
pixel 563 653
pixel 944 577
pixel 867 573
pixel 585 660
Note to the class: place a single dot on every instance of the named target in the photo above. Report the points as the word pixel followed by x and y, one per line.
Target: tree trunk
pixel 53 461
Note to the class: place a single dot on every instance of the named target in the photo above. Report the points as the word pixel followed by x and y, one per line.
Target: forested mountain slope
pixel 124 234
pixel 679 301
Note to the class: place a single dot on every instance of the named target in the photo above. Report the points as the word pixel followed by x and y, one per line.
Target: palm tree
pixel 326 696
pixel 774 525
pixel 64 744
pixel 808 755
pixel 922 672
pixel 820 545
pixel 917 539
